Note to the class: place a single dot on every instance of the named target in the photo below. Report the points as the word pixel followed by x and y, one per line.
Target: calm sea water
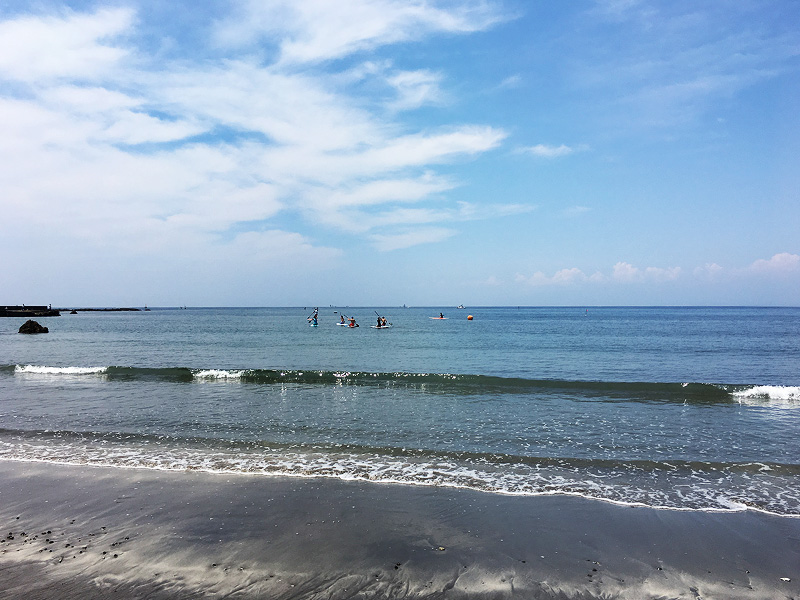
pixel 678 408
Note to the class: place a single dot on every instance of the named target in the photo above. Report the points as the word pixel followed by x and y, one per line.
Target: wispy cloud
pixel 318 30
pixel 668 64
pixel 575 211
pixel 157 155
pixel 415 237
pixel 415 89
pixel 545 151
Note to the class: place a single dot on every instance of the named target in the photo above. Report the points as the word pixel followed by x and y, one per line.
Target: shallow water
pixel 682 408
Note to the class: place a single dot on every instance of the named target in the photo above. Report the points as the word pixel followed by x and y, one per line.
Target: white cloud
pixel 138 128
pixel 545 151
pixel 40 48
pixel 781 264
pixel 319 30
pixel 88 100
pixel 575 211
pixel 564 277
pixel 569 275
pixel 778 264
pixel 660 274
pixel 362 219
pixel 626 272
pixel 274 246
pixel 382 191
pixel 622 272
pixel 415 237
pixel 415 89
pixel 289 109
pixel 510 82
pixel 293 140
pixel 708 271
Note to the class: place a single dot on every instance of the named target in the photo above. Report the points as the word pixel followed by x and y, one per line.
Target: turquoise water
pixel 679 408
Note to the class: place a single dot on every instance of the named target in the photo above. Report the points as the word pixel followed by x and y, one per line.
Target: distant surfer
pixel 441 315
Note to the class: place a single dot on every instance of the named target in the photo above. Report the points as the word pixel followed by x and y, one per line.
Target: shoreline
pixel 95 532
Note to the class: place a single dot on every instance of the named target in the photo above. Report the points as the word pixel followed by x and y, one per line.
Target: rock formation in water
pixel 32 327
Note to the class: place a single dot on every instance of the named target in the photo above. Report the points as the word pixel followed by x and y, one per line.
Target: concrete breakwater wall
pixel 28 311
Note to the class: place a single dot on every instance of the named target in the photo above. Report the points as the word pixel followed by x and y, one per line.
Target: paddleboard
pixel 439 318
pixel 381 327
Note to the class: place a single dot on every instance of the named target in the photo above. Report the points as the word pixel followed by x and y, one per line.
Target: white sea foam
pixel 218 374
pixel 779 395
pixel 44 370
pixel 687 490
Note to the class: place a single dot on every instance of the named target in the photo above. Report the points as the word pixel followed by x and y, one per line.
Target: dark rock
pixel 31 326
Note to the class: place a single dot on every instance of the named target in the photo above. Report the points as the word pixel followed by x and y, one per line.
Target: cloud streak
pixel 145 154
pixel 318 30
pixel 667 65
pixel 545 151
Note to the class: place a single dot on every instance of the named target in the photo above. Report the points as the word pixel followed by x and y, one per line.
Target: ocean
pixel 693 409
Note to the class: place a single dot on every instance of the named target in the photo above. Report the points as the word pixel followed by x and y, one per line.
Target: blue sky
pixel 373 152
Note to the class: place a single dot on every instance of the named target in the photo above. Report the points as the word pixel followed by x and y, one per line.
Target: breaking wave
pixel 443 383
pixel 677 485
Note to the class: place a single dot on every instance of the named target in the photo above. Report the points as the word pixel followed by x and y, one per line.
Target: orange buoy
pixel 469 317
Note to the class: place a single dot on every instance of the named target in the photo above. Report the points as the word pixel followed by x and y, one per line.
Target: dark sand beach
pixel 89 532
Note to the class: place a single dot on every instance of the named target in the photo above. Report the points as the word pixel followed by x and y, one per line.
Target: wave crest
pixel 445 383
pixel 44 370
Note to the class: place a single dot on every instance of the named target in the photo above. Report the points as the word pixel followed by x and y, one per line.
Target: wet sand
pixel 88 532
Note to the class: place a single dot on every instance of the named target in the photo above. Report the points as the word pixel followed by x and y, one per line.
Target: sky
pixel 382 152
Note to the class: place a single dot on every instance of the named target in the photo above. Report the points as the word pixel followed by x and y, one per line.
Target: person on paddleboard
pixel 342 321
pixel 353 322
pixel 441 315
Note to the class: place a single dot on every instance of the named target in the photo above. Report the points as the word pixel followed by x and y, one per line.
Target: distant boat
pixel 461 306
